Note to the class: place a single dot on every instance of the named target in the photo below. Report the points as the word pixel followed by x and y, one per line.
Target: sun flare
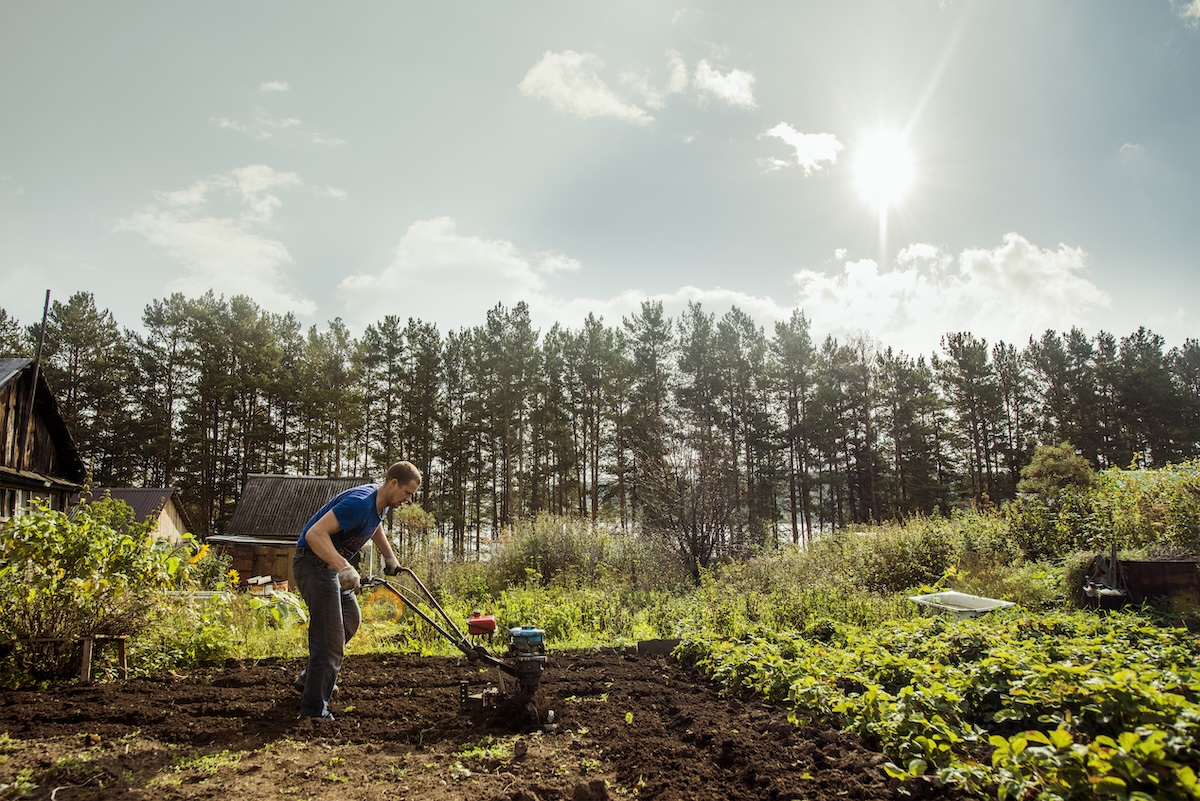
pixel 883 168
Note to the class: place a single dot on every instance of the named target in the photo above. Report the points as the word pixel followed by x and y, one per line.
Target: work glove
pixel 348 578
pixel 391 566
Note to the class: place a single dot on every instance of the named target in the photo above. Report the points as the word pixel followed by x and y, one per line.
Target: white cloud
pixel 332 192
pixel 273 86
pixel 438 274
pixel 572 84
pixel 764 310
pixel 916 254
pixel 1132 150
pixel 735 87
pixel 210 229
pixel 1010 292
pixel 569 81
pixel 811 149
pixel 557 263
pixel 677 82
pixel 264 125
pixel 572 313
pixel 1191 12
pixel 328 141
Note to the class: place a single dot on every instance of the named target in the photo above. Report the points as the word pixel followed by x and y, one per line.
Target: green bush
pixel 1142 508
pixel 203 630
pixel 201 567
pixel 1128 509
pixel 780 592
pixel 101 573
pixel 895 558
pixel 574 615
pixel 63 578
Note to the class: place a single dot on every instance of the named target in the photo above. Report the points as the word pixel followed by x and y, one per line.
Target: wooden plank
pixel 90 644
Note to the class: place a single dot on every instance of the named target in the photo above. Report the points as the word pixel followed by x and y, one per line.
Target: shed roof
pixel 9 367
pixel 278 506
pixel 145 501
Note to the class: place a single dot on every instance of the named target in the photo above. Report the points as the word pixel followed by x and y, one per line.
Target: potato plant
pixel 1057 706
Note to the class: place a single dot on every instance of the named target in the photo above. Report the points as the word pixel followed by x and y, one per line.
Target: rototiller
pixel 519 671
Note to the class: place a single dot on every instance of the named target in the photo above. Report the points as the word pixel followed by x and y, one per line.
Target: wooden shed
pixel 161 504
pixel 269 517
pixel 38 457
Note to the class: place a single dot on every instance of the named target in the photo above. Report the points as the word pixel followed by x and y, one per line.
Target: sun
pixel 883 167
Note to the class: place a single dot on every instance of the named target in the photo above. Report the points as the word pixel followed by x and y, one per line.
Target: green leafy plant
pixel 62 578
pixel 1056 706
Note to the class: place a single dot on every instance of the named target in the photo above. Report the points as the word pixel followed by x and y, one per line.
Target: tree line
pixel 706 428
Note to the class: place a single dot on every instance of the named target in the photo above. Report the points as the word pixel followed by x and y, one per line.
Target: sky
pixel 894 170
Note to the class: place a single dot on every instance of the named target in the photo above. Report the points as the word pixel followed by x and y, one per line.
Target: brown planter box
pixel 1178 582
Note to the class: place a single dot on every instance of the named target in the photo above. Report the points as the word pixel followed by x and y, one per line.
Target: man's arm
pixel 391 565
pixel 318 539
pixel 382 545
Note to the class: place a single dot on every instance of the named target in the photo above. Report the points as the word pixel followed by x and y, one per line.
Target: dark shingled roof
pixel 10 367
pixel 277 507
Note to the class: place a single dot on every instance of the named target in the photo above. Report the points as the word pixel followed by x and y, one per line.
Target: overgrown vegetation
pixel 65 578
pixel 1127 509
pixel 99 572
pixel 1041 701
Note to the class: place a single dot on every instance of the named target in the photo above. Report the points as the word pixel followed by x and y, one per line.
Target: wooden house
pixel 161 504
pixel 261 536
pixel 38 457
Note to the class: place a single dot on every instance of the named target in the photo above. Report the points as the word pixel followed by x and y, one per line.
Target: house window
pixel 22 500
pixel 8 503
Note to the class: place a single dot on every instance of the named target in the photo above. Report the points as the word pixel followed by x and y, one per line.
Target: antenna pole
pixel 37 363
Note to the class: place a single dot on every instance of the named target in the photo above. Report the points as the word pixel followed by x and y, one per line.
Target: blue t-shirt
pixel 355 512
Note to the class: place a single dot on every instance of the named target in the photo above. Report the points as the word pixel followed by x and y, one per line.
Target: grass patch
pixel 489 749
pixel 206 764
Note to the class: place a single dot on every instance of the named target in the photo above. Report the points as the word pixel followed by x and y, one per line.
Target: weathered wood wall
pixel 36 453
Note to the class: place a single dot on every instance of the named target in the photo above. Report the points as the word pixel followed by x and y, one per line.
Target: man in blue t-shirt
pixel 327 580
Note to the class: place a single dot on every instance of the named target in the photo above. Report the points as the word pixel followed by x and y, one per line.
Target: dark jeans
pixel 333 617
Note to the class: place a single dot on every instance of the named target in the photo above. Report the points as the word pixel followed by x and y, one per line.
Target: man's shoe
pixel 327 716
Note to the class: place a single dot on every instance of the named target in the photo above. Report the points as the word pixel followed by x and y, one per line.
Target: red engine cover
pixel 481 624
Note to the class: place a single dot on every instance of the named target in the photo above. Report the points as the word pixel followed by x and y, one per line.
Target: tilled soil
pixel 627 726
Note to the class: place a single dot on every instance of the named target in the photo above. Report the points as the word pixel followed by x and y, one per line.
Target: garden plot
pixel 628 726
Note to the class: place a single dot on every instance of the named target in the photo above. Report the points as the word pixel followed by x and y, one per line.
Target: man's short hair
pixel 404 472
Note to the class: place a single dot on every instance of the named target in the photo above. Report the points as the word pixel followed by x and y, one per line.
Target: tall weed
pixel 550 547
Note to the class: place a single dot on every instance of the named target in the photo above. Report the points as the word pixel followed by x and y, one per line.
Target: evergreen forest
pixel 712 427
